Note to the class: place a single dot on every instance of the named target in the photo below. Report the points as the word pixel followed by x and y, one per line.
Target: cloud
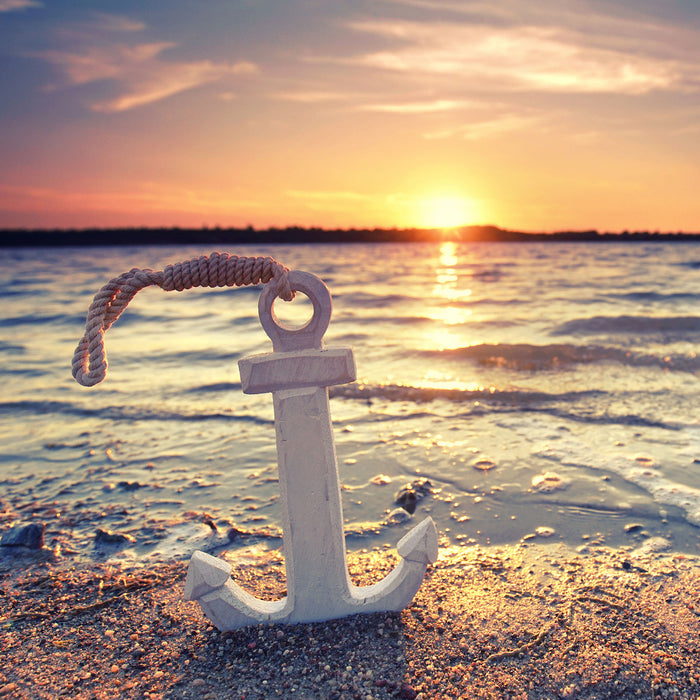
pixel 325 195
pixel 630 26
pixel 515 58
pixel 487 128
pixel 138 198
pixel 140 71
pixel 97 63
pixel 312 96
pixel 18 5
pixel 416 107
pixel 169 79
pixel 101 21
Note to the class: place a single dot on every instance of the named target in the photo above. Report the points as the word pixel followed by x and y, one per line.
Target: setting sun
pixel 446 212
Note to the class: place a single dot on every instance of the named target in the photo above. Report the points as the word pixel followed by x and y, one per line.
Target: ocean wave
pixel 396 320
pixel 368 300
pixel 480 402
pixel 526 357
pixel 470 302
pixel 654 296
pixel 121 413
pixel 133 315
pixel 7 290
pixel 24 372
pixel 185 357
pixel 211 388
pixel 39 320
pixel 352 338
pixel 419 394
pixel 677 326
pixel 493 274
pixel 12 348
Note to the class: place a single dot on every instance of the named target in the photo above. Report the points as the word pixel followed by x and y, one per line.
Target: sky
pixel 530 115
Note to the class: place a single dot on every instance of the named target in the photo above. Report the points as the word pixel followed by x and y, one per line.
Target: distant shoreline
pixel 12 238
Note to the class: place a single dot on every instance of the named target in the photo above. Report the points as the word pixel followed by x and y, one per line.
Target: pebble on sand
pixel 109 537
pixel 29 535
pixel 409 495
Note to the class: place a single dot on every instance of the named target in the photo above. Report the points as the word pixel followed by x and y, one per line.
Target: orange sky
pixel 532 116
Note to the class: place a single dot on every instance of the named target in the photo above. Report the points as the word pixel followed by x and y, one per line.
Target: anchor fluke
pixel 420 545
pixel 230 607
pixel 204 575
pixel 396 590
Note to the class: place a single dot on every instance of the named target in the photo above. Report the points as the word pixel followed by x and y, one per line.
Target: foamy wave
pixel 419 394
pixel 675 326
pixel 525 357
pixel 122 413
pixel 639 471
pixel 573 405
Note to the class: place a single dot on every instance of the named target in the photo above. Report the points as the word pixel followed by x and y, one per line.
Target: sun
pixel 446 212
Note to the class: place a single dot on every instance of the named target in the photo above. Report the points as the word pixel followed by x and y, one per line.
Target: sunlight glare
pixel 446 212
pixel 451 319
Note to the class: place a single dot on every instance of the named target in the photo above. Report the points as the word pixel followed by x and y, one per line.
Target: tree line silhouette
pixel 175 235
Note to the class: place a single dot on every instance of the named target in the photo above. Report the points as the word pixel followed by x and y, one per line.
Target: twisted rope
pixel 216 270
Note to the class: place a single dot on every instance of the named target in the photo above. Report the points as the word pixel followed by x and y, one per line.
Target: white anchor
pixel 298 373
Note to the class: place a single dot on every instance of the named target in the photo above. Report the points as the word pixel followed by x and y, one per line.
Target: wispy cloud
pixel 141 72
pixel 312 96
pixel 163 80
pixel 18 5
pixel 328 196
pixel 139 197
pixel 487 128
pixel 100 63
pixel 517 58
pixel 416 107
pixel 631 26
pixel 101 21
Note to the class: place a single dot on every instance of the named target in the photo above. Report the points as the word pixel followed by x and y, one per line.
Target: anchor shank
pixel 314 543
pixel 311 508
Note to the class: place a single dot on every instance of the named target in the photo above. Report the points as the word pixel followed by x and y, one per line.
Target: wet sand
pixel 530 621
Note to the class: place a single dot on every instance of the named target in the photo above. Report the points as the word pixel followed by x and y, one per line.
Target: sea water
pixel 544 390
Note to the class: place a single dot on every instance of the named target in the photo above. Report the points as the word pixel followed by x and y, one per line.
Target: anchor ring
pixel 310 335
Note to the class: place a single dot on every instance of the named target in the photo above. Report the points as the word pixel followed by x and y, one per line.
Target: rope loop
pixel 215 270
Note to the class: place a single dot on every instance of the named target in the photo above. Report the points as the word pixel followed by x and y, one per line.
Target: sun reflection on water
pixel 451 317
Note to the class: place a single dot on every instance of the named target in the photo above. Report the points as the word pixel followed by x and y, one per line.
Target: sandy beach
pixel 529 621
